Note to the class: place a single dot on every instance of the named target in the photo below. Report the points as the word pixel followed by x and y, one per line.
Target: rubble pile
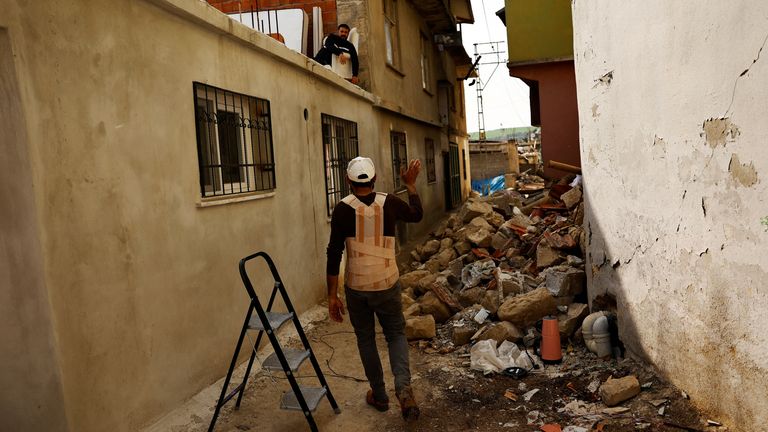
pixel 498 266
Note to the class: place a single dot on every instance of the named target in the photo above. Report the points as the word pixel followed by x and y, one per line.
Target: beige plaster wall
pixel 31 398
pixel 145 300
pixel 671 102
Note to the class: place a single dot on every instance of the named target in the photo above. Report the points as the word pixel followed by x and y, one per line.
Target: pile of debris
pixel 498 266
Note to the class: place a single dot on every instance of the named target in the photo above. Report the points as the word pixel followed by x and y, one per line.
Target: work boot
pixel 379 405
pixel 408 404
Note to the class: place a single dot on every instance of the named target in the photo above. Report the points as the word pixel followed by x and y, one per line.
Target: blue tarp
pixel 489 186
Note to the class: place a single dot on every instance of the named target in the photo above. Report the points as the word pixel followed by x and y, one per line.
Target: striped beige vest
pixel 371 264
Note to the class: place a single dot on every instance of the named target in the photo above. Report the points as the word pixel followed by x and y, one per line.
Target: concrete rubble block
pixel 572 197
pixel 415 256
pixel 616 391
pixel 491 301
pixel 425 283
pixel 406 300
pixel 411 279
pixel 499 241
pixel 446 243
pixel 432 305
pixel 471 296
pixel 445 257
pixel 547 256
pixel 473 209
pixel 462 335
pixel 501 331
pixel 454 222
pixel 462 247
pixel 480 222
pixel 525 309
pixel 571 320
pixel 412 310
pixel 439 232
pixel 420 327
pixel 430 248
pixel 479 236
pixel 432 265
pixel 494 219
pixel 574 261
pixel 456 266
pixel 564 281
pixel 509 283
pixel 519 220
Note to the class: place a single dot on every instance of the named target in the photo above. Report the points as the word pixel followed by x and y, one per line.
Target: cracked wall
pixel 673 139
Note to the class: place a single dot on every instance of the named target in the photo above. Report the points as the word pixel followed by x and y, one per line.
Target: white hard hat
pixel 361 170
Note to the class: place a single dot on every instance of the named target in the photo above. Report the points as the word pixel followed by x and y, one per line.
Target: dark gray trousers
pixel 387 306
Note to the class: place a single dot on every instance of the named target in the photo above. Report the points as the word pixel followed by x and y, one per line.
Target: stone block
pixel 462 247
pixel 571 320
pixel 479 237
pixel 445 257
pixel 412 310
pixel 491 301
pixel 616 391
pixel 501 331
pixel 572 197
pixel 473 209
pixel 480 222
pixel 446 243
pixel 411 279
pixel 564 282
pixel 525 309
pixel 420 327
pixel 547 256
pixel 499 241
pixel 462 335
pixel 471 296
pixel 432 305
pixel 429 248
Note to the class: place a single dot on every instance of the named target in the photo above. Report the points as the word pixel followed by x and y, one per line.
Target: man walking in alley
pixel 364 222
pixel 339 45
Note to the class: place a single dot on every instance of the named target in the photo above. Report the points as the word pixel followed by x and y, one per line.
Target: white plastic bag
pixel 485 358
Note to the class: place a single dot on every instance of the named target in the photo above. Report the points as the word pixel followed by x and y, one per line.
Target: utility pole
pixel 494 50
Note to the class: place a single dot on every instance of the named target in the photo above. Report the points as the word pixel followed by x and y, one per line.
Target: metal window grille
pixel 234 142
pixel 399 157
pixel 429 150
pixel 339 147
pixel 464 163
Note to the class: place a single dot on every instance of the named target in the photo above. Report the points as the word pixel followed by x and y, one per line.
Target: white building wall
pixel 672 103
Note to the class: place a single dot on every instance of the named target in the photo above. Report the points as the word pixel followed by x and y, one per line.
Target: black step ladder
pixel 300 398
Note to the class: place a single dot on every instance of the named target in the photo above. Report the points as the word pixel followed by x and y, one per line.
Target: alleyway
pixel 455 398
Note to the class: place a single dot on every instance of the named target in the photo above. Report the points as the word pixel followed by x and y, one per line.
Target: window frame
pixel 399 144
pixel 391 34
pixel 248 122
pixel 426 63
pixel 336 186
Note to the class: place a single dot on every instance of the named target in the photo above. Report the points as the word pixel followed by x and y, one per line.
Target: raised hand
pixel 410 174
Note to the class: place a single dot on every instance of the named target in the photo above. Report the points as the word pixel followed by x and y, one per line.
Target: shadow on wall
pixel 696 346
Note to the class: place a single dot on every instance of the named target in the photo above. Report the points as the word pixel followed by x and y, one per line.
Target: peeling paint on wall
pixel 719 130
pixel 743 173
pixel 605 79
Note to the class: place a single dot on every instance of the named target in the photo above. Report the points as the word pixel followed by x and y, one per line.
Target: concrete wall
pixel 31 398
pixel 672 107
pixel 142 288
pixel 120 294
pixel 559 113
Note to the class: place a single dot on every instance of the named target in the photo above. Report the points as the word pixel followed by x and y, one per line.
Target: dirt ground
pixel 454 398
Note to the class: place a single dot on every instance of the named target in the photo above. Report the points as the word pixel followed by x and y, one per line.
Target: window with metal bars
pixel 339 147
pixel 399 157
pixel 429 151
pixel 234 142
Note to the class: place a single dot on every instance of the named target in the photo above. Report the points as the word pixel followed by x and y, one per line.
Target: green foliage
pixel 764 221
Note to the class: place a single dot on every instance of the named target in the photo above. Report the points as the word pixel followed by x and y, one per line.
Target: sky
pixel 505 99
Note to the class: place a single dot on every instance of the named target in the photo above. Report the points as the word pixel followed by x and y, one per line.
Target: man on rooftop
pixel 337 44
